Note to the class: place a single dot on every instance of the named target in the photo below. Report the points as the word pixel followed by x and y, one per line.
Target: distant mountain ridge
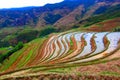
pixel 63 14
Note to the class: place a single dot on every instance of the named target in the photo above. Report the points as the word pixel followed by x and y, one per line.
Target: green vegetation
pixel 25 59
pixel 47 30
pixel 116 30
pixel 6 55
pixel 4 49
pixel 11 36
pixel 75 26
pixel 19 61
pixel 71 43
pixel 109 73
pixel 61 70
pixel 20 55
pixel 110 13
pixel 7 63
pixel 51 19
pixel 27 56
pixel 27 36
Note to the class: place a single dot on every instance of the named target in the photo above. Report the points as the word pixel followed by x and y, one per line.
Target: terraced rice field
pixel 79 47
pixel 64 50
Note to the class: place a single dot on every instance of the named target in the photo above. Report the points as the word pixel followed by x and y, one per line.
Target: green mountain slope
pixel 63 14
pixel 92 44
pixel 60 53
pixel 110 13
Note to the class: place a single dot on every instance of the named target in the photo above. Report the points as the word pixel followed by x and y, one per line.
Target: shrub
pixel 117 30
pixel 51 19
pixel 6 55
pixel 76 26
pixel 110 13
pixel 27 35
pixel 46 31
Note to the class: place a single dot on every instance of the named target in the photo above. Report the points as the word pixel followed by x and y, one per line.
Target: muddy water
pixel 62 48
pixel 98 37
pixel 114 38
pixel 66 44
pixel 56 52
pixel 87 49
pixel 64 41
pixel 78 36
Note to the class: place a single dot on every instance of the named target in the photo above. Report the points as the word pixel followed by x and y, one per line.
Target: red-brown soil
pixel 96 69
pixel 65 77
pixel 73 48
pixel 105 41
pixel 39 55
pixel 109 25
pixel 14 65
pixel 93 44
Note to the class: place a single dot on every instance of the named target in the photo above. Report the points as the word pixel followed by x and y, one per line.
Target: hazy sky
pixel 23 3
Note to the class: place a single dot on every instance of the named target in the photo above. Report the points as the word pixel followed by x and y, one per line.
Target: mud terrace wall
pixel 61 51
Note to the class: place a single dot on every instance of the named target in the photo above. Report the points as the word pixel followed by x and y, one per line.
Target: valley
pixel 70 40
